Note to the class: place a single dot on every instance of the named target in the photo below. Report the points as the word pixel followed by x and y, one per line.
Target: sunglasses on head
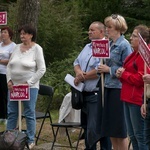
pixel 114 16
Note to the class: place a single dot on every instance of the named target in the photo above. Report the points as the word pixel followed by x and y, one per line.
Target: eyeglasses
pixel 134 36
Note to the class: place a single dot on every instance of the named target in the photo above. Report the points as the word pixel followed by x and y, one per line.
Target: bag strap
pixel 88 63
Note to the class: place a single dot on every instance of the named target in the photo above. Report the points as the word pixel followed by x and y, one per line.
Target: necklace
pixel 27 47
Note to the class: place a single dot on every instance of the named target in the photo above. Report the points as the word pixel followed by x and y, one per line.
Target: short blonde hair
pixel 118 21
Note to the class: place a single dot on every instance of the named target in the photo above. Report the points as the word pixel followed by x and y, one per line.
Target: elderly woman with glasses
pixel 113 121
pixel 133 89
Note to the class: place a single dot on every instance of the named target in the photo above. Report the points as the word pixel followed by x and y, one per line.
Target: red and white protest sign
pixel 3 18
pixel 100 48
pixel 20 93
pixel 144 51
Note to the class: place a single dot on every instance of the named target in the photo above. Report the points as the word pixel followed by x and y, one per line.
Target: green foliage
pixel 59 29
pixel 55 75
pixel 62 31
pixel 97 10
pixel 12 19
pixel 136 12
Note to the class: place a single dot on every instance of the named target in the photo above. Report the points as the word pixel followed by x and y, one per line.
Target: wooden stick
pixel 102 83
pixel 19 114
pixel 145 71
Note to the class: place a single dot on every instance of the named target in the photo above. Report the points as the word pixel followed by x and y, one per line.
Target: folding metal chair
pixel 67 126
pixel 46 92
pixel 68 119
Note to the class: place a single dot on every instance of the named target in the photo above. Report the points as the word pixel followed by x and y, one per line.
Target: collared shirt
pixel 118 52
pixel 82 60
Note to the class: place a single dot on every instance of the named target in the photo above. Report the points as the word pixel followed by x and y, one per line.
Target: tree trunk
pixel 28 11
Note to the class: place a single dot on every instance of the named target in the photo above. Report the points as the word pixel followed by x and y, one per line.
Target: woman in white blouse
pixel 26 66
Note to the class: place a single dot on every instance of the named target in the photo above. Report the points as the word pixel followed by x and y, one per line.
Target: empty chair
pixel 46 92
pixel 69 118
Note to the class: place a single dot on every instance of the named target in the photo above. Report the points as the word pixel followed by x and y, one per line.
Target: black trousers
pixel 3 96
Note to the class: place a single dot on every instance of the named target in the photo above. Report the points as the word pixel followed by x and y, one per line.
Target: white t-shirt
pixel 5 52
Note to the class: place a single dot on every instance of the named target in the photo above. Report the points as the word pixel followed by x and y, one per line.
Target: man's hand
pixel 80 77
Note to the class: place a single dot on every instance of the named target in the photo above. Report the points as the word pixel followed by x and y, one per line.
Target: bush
pixel 55 75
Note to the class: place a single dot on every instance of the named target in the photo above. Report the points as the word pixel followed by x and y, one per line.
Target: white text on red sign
pixel 3 18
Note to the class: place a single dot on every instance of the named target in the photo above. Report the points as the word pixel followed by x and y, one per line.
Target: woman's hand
pixel 103 69
pixel 119 72
pixel 146 78
pixel 143 111
pixel 10 85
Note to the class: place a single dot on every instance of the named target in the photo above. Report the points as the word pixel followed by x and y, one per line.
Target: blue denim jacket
pixel 118 52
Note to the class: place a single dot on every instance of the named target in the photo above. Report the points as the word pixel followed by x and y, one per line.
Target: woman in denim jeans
pixel 113 122
pixel 133 88
pixel 26 66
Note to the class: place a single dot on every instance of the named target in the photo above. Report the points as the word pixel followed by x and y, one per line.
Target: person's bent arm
pixel 4 61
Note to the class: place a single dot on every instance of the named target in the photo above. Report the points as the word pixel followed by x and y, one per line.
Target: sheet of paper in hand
pixel 20 93
pixel 70 79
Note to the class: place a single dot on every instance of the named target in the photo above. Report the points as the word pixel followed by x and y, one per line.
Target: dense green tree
pixel 59 29
pixel 63 25
pixel 4 4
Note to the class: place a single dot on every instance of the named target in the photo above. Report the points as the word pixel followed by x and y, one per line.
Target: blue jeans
pixel 135 126
pixel 29 111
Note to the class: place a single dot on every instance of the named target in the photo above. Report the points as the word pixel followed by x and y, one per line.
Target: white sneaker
pixel 31 145
pixel 5 122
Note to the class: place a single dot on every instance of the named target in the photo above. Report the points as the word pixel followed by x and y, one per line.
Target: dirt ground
pixel 62 139
pixel 46 137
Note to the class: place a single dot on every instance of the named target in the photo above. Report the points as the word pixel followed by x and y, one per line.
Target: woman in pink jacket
pixel 133 88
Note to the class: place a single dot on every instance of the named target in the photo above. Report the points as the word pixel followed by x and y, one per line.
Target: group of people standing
pixel 111 123
pixel 120 116
pixel 20 64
